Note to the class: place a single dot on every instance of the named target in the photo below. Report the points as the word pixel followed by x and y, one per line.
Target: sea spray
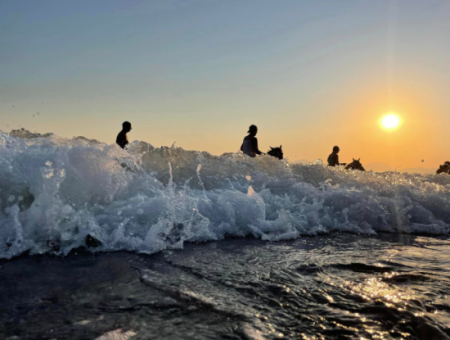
pixel 146 199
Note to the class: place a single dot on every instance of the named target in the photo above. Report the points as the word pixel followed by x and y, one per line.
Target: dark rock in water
pixel 54 244
pixel 92 242
pixel 445 168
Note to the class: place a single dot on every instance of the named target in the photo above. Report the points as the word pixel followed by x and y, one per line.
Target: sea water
pixel 337 286
pixel 271 249
pixel 55 192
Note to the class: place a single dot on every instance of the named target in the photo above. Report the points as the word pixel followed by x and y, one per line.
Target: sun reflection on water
pixel 375 289
pixel 380 293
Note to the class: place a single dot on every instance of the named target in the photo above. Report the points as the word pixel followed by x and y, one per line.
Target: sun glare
pixel 390 121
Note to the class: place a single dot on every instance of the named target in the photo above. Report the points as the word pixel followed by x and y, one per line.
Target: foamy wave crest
pixel 58 194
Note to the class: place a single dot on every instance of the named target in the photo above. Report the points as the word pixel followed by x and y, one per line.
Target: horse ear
pixel 281 146
pixel 353 159
pixel 270 148
pixel 359 159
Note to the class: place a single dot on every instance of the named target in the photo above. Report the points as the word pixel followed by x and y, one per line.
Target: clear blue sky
pixel 200 72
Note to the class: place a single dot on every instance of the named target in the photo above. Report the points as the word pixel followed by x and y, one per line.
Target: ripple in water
pixel 339 286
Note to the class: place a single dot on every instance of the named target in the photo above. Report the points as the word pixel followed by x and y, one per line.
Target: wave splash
pixel 58 194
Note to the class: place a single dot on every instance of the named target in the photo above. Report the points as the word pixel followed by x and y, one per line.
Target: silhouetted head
pixel 253 130
pixel 126 126
pixel 276 152
pixel 336 149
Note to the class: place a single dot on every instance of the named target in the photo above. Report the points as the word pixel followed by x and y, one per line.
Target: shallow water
pixel 337 286
pixel 101 243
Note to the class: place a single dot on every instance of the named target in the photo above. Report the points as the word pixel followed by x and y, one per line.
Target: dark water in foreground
pixel 338 286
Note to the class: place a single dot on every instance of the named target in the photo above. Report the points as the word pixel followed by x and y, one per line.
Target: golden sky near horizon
pixel 354 125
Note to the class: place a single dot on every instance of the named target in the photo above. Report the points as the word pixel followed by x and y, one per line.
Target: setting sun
pixel 390 121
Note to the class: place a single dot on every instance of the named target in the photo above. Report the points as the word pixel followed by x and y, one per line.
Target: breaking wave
pixel 58 194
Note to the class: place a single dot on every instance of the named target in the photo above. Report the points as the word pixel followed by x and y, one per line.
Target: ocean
pixel 163 243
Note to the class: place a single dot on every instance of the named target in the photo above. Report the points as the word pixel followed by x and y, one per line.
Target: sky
pixel 309 74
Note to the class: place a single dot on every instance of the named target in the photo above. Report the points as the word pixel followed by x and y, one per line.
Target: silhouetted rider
pixel 333 158
pixel 250 144
pixel 122 138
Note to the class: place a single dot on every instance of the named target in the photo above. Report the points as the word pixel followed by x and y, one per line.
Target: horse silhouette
pixel 355 165
pixel 445 168
pixel 276 152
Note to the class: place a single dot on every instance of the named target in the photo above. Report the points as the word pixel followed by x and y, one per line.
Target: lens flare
pixel 390 121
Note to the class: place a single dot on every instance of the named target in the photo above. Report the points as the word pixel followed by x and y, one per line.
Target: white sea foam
pixel 54 192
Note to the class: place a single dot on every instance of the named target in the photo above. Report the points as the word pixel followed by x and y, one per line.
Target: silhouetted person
pixel 122 138
pixel 250 144
pixel 333 158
